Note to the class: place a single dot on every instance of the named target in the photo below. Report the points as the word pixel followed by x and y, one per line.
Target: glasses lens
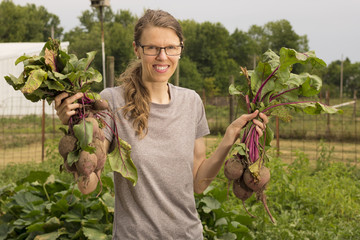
pixel 173 51
pixel 153 51
pixel 150 50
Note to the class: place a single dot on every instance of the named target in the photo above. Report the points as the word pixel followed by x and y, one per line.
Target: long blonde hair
pixel 137 96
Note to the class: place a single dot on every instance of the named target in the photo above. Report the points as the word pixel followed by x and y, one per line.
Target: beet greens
pixel 53 72
pixel 273 89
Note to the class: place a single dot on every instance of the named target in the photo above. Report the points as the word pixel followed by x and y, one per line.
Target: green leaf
pixel 47 236
pixel 221 221
pixel 315 108
pixel 94 234
pixel 84 63
pixel 109 201
pixel 84 133
pixel 210 204
pixel 233 90
pixel 73 157
pixel 21 59
pixel 34 81
pixel 15 82
pixel 33 176
pixel 52 224
pixel 50 58
pixel 228 236
pixel 121 162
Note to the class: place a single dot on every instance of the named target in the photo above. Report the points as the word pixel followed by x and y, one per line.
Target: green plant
pixel 40 206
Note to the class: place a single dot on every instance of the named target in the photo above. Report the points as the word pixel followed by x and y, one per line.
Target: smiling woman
pixel 165 126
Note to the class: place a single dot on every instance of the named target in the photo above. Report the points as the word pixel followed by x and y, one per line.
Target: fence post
pixel 231 102
pixel 43 132
pixel 110 78
pixel 327 100
pixel 354 112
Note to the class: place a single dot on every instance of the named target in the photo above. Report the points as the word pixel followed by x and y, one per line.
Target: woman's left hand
pixel 235 127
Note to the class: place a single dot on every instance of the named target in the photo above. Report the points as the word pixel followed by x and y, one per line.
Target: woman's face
pixel 161 67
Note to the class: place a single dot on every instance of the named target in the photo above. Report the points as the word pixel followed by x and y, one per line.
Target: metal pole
pixel 103 45
pixel 231 102
pixel 341 78
pixel 43 132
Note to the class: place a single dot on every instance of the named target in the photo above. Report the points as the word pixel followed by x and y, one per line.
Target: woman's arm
pixel 205 170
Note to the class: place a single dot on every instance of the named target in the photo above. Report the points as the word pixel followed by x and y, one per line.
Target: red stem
pixel 264 83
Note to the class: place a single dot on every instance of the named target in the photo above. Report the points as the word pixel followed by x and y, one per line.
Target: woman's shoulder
pixel 113 95
pixel 112 92
pixel 183 92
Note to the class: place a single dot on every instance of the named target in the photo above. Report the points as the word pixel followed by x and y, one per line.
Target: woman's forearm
pixel 211 166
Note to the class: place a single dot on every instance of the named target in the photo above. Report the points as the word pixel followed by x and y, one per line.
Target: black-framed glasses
pixel 150 50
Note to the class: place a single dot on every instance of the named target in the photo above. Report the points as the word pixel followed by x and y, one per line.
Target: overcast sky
pixel 332 26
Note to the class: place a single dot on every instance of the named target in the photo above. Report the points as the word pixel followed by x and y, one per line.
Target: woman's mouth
pixel 161 68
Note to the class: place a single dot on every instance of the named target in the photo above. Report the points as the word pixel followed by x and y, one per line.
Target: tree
pixel 351 77
pixel 275 35
pixel 242 48
pixel 189 76
pixel 118 31
pixel 27 24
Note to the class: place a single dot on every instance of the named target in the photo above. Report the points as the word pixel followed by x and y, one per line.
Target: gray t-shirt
pixel 162 204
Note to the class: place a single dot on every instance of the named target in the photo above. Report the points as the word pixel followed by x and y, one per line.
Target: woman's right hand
pixel 66 106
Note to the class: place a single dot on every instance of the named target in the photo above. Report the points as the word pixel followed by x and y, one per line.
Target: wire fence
pixel 332 136
pixel 26 129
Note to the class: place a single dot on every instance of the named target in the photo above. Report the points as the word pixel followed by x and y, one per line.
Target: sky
pixel 331 26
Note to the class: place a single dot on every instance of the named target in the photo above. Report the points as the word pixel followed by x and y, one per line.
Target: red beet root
pixel 257 184
pixel 233 168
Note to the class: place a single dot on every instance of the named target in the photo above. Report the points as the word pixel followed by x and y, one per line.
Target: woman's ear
pixel 136 50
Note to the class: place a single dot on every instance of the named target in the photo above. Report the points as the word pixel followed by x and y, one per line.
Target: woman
pixel 165 126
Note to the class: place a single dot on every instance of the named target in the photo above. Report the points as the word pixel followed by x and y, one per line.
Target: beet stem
pixel 243 202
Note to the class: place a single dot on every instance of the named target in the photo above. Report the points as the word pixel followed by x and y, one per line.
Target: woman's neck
pixel 159 93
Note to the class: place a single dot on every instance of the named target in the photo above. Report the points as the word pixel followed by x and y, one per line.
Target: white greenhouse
pixel 13 102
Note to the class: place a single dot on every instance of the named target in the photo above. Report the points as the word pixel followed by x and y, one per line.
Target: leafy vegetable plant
pixel 53 72
pixel 273 89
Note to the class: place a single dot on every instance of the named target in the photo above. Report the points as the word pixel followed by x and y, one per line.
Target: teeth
pixel 161 67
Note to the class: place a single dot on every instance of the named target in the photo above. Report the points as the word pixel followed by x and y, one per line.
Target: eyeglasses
pixel 150 50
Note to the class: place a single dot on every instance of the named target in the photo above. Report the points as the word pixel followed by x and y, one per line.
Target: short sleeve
pixel 202 127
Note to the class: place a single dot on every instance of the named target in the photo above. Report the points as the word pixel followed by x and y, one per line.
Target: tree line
pixel 212 54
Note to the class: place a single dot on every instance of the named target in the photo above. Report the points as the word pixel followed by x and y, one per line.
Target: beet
pixel 257 184
pixel 71 169
pixel 86 164
pixel 100 105
pixel 242 192
pixel 100 154
pixel 67 144
pixel 233 168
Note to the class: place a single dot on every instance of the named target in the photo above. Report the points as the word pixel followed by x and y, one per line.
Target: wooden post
pixel 110 78
pixel 354 112
pixel 327 100
pixel 43 132
pixel 231 102
pixel 341 78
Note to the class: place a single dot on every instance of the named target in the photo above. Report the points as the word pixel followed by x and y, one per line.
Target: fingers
pixel 261 125
pixel 259 130
pixel 66 106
